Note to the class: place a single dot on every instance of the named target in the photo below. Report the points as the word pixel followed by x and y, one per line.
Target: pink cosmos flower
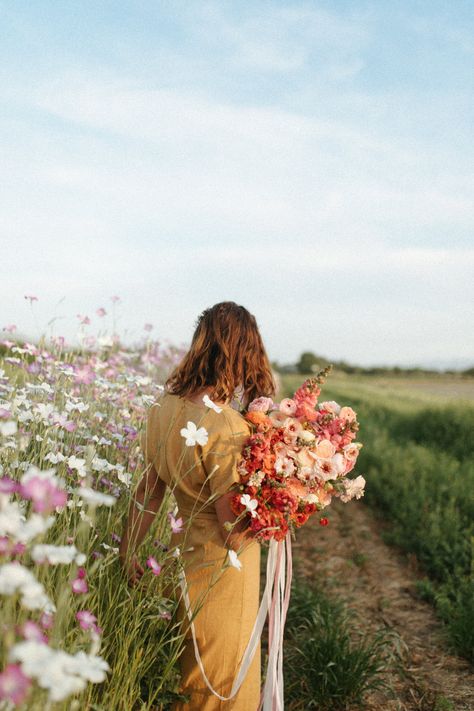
pixel 44 494
pixel 4 413
pixel 46 620
pixel 148 327
pixel 31 631
pixel 115 299
pixel 14 685
pixel 154 565
pixel 10 328
pixel 84 375
pixel 79 584
pixel 176 523
pixel 8 486
pixel 101 312
pixel 88 621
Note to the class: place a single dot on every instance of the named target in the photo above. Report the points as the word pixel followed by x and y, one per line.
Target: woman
pixel 227 355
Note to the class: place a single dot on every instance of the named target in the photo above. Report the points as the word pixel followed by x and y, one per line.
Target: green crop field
pixel 418 461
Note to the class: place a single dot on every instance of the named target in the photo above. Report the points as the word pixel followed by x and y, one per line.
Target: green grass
pixel 328 664
pixel 418 461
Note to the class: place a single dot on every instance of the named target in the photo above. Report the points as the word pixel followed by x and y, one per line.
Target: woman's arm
pixel 144 505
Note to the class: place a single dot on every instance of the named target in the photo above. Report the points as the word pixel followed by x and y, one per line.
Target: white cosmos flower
pixel 57 554
pixel 95 498
pixel 79 406
pixel 234 559
pixel 55 458
pixel 125 478
pixel 208 402
pixel 193 435
pixel 249 503
pixel 8 428
pixel 62 674
pixel 78 464
pixel 16 578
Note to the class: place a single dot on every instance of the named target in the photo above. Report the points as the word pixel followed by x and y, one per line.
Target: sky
pixel 309 160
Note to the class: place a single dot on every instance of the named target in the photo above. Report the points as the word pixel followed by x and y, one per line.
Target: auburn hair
pixel 226 353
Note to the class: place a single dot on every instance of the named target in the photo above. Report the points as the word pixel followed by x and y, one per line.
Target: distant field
pixel 418 461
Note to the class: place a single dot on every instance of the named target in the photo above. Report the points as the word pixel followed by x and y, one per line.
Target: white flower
pixel 193 435
pixel 101 465
pixel 354 488
pixel 311 498
pixel 8 428
pixel 249 503
pixel 55 458
pixel 95 498
pixel 16 578
pixel 78 464
pixel 256 478
pixel 57 554
pixel 79 406
pixel 62 674
pixel 234 559
pixel 208 402
pixel 125 478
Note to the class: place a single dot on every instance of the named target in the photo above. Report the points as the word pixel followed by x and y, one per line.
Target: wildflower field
pixel 76 636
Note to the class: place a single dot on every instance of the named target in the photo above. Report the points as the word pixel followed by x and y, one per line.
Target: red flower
pixel 323 521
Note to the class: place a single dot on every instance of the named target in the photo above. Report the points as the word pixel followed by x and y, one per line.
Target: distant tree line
pixel 309 363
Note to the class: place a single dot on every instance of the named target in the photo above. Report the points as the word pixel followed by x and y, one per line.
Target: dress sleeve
pixel 222 452
pixel 149 437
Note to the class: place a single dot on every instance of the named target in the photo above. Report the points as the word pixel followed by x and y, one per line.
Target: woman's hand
pixel 133 569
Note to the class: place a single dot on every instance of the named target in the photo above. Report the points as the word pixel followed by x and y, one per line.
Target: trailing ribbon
pixel 275 601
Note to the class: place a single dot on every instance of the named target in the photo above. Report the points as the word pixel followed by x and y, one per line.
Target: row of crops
pixel 418 460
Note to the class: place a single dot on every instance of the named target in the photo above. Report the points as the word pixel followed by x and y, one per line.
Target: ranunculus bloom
pixel 288 406
pixel 324 449
pixel 257 417
pixel 347 413
pixel 261 404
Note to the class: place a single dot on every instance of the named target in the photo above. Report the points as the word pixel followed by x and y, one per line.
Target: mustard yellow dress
pixel 226 599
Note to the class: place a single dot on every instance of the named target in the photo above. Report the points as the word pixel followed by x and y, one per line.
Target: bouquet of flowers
pixel 297 458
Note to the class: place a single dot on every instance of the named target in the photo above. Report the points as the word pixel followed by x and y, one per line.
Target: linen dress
pixel 226 599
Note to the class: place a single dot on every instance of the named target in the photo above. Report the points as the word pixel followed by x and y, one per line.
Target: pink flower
pixel 114 299
pixel 176 523
pixel 30 630
pixel 348 414
pixel 261 404
pixel 44 494
pixel 14 685
pixel 31 298
pixel 154 565
pixel 79 585
pixel 83 319
pixel 84 375
pixel 10 328
pixel 288 406
pixel 87 621
pixel 46 620
pixel 101 312
pixel 148 327
pixel 8 486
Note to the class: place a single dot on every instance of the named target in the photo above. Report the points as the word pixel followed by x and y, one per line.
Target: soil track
pixel 378 582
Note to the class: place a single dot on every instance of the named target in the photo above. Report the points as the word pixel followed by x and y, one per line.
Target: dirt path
pixel 378 582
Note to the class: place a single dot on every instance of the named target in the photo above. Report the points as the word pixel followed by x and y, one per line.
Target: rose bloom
pixel 351 451
pixel 324 449
pixel 261 404
pixel 330 406
pixel 288 406
pixel 348 414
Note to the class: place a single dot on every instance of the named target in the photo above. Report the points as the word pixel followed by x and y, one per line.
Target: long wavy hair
pixel 226 353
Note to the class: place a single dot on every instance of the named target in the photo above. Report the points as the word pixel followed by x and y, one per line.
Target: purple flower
pixel 79 584
pixel 14 685
pixel 154 565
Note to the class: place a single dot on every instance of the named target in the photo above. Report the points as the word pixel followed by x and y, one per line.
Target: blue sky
pixel 310 160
